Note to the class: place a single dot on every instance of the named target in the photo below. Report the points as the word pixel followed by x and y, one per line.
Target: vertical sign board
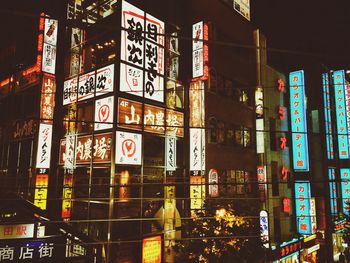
pixel 264 228
pixel 70 91
pixel 170 153
pixel 213 180
pixel 302 207
pixel 128 148
pixel 200 51
pixel 197 149
pixel 345 189
pixel 67 196
pixel 47 102
pixel 313 215
pixel 298 122
pixel 44 146
pixel 49 47
pixel 142 54
pixel 40 194
pixel 104 113
pixel 327 116
pixel 333 191
pixel 242 7
pixel 197 192
pixel 152 250
pixel 340 106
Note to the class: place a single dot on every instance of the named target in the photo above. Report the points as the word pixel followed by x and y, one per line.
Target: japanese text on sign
pixel 302 207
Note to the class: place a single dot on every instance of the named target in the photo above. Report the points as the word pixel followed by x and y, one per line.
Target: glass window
pixel 212 125
pixel 221 132
pixel 85 117
pixel 100 184
pixel 239 135
pixel 230 135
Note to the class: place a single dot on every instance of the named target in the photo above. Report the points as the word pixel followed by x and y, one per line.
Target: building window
pixel 221 132
pixel 274 173
pixel 273 135
pixel 85 118
pixel 212 129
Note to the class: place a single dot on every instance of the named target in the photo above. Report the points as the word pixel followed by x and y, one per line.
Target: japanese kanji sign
pixel 328 118
pixel 86 87
pixel 105 80
pixel 200 53
pixel 152 250
pixel 345 190
pixel 104 113
pixel 49 46
pixel 264 227
pixel 130 114
pixel 70 91
pixel 154 119
pixel 128 148
pixel 197 192
pixel 197 106
pixel 213 183
pixel 47 104
pixel 16 231
pixel 170 153
pixel 197 149
pixel 333 195
pixel 67 195
pixel 40 194
pixel 298 121
pixel 43 156
pixel 341 114
pixel 302 207
pixel 142 54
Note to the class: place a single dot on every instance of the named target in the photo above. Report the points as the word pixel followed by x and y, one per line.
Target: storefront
pixel 288 252
pixel 311 248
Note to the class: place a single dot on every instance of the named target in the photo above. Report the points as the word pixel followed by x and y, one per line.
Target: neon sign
pixel 345 189
pixel 298 121
pixel 332 191
pixel 327 116
pixel 342 129
pixel 302 207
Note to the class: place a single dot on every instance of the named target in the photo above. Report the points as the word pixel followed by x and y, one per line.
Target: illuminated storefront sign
pixel 328 118
pixel 49 47
pixel 259 102
pixel 302 207
pixel 67 195
pixel 129 114
pixel 83 149
pixel 342 129
pixel 105 80
pixel 104 113
pixel 345 189
pixel 86 87
pixel 68 154
pixel 260 141
pixel 213 181
pixel 286 205
pixel 333 196
pixel 142 46
pixel 40 194
pixel 16 231
pixel 174 123
pixel 154 119
pixel 23 129
pixel 242 7
pixel 197 192
pixel 44 146
pixel 128 148
pixel 170 153
pixel 47 104
pixel 152 250
pixel 264 228
pixel 197 149
pixel 298 121
pixel 70 91
pixel 200 52
pixel 261 174
pixel 287 249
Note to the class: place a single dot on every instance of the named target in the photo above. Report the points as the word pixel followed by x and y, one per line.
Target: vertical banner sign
pixel 44 146
pixel 142 54
pixel 340 106
pixel 152 250
pixel 302 207
pixel 197 149
pixel 69 154
pixel 213 181
pixel 197 192
pixel 170 153
pixel 40 194
pixel 49 47
pixel 327 116
pixel 124 188
pixel 333 191
pixel 261 174
pixel 200 51
pixel 345 189
pixel 313 215
pixel 298 121
pixel 128 148
pixel 105 80
pixel 104 113
pixel 264 228
pixel 67 195
pixel 197 106
pixel 47 103
pixel 39 57
pixel 169 214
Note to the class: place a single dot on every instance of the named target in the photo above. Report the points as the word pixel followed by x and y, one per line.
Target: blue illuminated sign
pixel 340 106
pixel 302 207
pixel 298 121
pixel 332 191
pixel 345 189
pixel 327 116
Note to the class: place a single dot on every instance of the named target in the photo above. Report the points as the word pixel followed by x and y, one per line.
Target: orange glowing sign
pixel 174 123
pixel 152 250
pixel 124 189
pixel 130 114
pixel 47 105
pixel 197 106
pixel 154 119
pixel 67 196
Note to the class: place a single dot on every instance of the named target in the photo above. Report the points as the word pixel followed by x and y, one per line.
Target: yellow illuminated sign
pixel 40 194
pixel 197 192
pixel 152 250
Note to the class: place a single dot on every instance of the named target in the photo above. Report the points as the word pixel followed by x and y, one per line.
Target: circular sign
pixel 103 113
pixel 128 148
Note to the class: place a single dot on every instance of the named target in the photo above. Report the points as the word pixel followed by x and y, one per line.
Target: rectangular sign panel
pixel 142 54
pixel 152 250
pixel 328 118
pixel 197 192
pixel 200 54
pixel 129 114
pixel 16 231
pixel 67 196
pixel 154 119
pixel 47 103
pixel 170 153
pixel 242 7
pixel 340 111
pixel 43 156
pixel 298 121
pixel 345 189
pixel 197 106
pixel 86 88
pixel 302 207
pixel 105 80
pixel 333 191
pixel 128 148
pixel 197 149
pixel 70 91
pixel 104 113
pixel 40 194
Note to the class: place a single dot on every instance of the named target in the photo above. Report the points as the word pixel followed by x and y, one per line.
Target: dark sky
pixel 319 29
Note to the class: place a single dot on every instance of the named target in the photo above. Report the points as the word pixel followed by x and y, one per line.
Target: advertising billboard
pixel 298 121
